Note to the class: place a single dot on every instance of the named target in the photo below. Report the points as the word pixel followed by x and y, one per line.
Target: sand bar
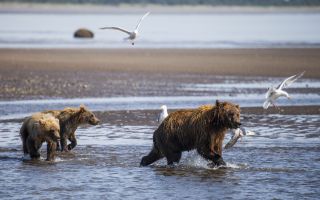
pixel 241 62
pixel 70 73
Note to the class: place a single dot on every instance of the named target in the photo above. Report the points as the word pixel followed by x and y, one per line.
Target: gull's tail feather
pixel 266 104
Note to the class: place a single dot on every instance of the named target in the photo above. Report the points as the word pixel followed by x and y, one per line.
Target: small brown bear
pixel 70 119
pixel 203 129
pixel 37 129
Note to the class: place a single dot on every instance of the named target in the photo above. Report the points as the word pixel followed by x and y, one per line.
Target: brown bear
pixel 70 119
pixel 37 129
pixel 203 129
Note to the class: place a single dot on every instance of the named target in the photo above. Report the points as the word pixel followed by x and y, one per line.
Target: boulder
pixel 83 33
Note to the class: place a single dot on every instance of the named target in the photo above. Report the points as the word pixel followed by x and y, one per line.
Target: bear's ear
pixel 237 106
pixel 42 122
pixel 82 108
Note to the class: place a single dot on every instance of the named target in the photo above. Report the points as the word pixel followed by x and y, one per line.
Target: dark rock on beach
pixel 83 33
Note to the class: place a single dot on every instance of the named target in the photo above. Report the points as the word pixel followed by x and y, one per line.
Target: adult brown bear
pixel 37 129
pixel 203 129
pixel 70 119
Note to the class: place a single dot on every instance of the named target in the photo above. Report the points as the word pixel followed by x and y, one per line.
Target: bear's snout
pixel 237 125
pixel 94 121
pixel 57 135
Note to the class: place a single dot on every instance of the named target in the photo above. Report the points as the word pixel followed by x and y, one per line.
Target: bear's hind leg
pixel 63 143
pixel 73 141
pixel 152 157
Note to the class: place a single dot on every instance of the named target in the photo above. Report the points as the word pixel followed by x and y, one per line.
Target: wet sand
pixel 70 73
pixel 143 117
pixel 78 73
pixel 149 117
pixel 243 62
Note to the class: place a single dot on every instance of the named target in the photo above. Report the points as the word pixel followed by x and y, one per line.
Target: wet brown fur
pixel 37 129
pixel 203 129
pixel 70 119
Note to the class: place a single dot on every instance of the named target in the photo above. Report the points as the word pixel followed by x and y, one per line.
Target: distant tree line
pixel 183 2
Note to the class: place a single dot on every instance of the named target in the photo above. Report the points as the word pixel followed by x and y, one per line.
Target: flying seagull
pixel 163 114
pixel 275 92
pixel 132 35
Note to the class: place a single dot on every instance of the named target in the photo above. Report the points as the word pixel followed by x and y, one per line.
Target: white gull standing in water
pixel 275 92
pixel 163 114
pixel 132 34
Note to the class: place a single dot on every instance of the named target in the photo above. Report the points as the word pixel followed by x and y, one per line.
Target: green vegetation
pixel 183 2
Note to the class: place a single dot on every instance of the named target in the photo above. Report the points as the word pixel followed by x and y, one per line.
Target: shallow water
pixel 238 30
pixel 280 162
pixel 179 91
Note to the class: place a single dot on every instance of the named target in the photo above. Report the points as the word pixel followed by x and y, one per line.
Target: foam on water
pixel 193 159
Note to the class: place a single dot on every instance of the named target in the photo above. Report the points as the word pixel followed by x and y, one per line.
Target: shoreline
pixel 154 8
pixel 141 117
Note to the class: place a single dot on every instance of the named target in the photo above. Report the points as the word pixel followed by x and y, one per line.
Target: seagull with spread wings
pixel 132 34
pixel 275 92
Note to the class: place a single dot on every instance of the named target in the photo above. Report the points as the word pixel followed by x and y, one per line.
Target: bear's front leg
pixel 33 148
pixel 73 141
pixel 218 161
pixel 58 146
pixel 216 143
pixel 51 150
pixel 206 153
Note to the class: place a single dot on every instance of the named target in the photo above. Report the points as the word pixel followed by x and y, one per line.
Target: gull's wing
pixel 289 81
pixel 117 28
pixel 137 27
pixel 266 104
